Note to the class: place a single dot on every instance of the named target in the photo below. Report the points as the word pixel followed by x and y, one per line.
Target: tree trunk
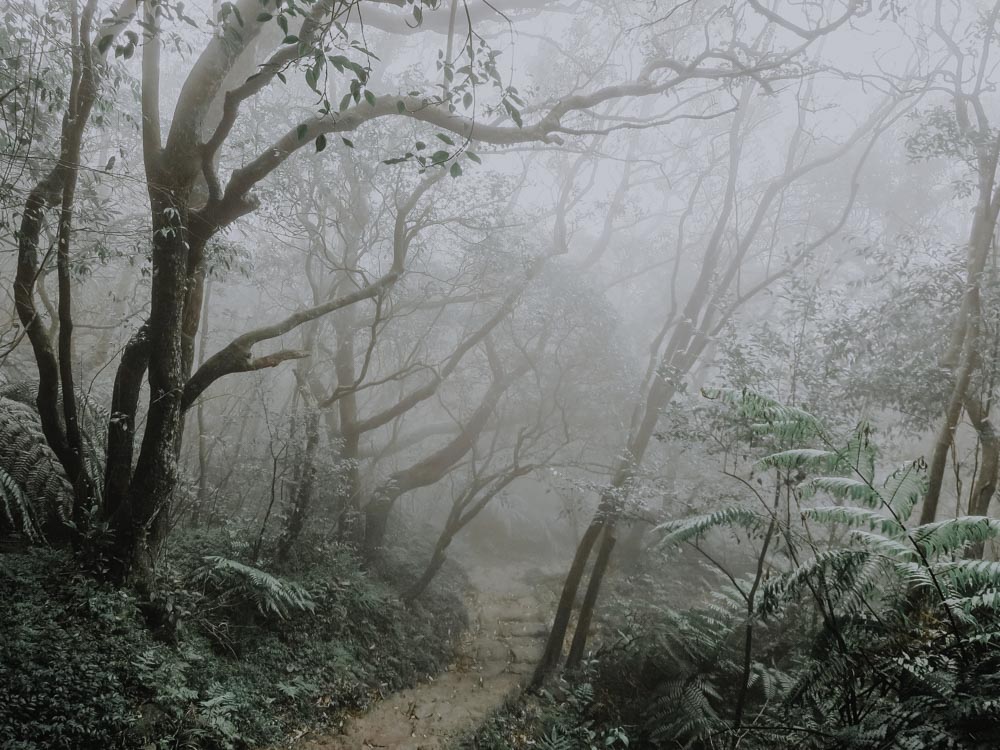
pixel 437 560
pixel 986 481
pixel 557 635
pixel 304 492
pixel 155 475
pixel 579 643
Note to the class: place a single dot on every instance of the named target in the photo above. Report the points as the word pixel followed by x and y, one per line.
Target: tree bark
pixel 985 485
pixel 582 632
pixel 557 635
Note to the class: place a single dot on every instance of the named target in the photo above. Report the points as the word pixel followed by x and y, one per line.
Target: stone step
pixel 527 629
pixel 526 653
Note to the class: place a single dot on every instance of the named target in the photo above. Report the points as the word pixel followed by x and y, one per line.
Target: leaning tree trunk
pixel 564 610
pixel 986 481
pixel 579 643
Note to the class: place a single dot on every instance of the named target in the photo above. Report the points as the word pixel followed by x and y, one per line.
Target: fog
pixel 636 357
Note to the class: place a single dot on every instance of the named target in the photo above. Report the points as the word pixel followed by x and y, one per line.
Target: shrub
pixel 250 655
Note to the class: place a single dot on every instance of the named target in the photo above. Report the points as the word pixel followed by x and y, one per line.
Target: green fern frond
pixel 859 454
pixel 885 545
pixel 269 594
pixel 678 532
pixel 28 461
pixel 955 533
pixel 784 423
pixel 846 488
pixel 904 488
pixel 850 516
pixel 798 458
pixel 18 511
pixel 967 575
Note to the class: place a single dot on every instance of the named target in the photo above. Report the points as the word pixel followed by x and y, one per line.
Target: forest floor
pixel 496 657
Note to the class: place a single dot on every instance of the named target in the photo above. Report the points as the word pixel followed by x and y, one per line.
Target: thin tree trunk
pixel 579 643
pixel 203 449
pixel 986 481
pixel 564 610
pixel 304 492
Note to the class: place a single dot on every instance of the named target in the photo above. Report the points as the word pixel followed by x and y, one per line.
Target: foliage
pixel 36 493
pixel 865 633
pixel 839 625
pixel 251 655
pixel 570 715
pixel 234 585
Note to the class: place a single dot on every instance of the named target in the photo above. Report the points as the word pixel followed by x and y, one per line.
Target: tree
pixel 191 202
pixel 692 325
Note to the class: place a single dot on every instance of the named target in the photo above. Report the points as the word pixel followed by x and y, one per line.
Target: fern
pixel 880 637
pixel 678 532
pixel 234 583
pixel 17 510
pixel 30 465
pixel 904 489
pixel 553 740
pixel 849 516
pixel 848 489
pixel 955 533
pixel 799 458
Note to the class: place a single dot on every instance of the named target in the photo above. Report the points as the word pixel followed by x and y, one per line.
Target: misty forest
pixel 495 374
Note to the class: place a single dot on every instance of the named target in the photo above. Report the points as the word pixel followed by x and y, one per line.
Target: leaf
pixel 320 142
pixel 847 488
pixel 300 131
pixel 446 139
pixel 473 156
pixel 347 142
pixel 456 169
pixel 678 532
pixel 370 97
pixel 796 458
pixel 904 489
pixel 850 516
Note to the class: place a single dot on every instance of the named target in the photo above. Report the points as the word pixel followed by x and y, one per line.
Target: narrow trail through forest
pixel 496 656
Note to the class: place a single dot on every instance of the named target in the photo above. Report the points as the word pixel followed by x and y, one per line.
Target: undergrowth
pixel 244 653
pixel 841 625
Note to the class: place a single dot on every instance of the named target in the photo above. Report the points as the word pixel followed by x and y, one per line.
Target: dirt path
pixel 496 656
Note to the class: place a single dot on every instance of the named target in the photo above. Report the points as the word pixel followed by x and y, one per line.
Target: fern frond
pixel 269 594
pixel 886 546
pixel 904 488
pixel 28 461
pixel 850 516
pixel 846 488
pixel 955 533
pixel 678 532
pixel 17 509
pixel 767 416
pixel 798 458
pixel 969 575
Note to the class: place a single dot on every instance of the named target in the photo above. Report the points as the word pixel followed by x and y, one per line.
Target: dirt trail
pixel 496 656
